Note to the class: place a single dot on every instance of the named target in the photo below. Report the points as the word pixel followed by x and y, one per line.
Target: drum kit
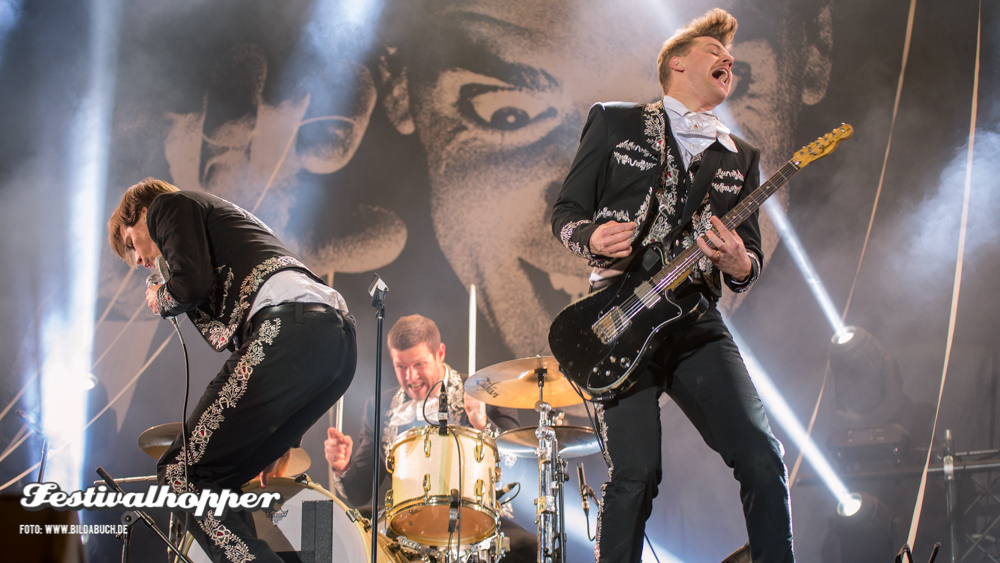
pixel 442 506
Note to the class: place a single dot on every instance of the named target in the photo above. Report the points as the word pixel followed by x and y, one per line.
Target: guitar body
pixel 608 369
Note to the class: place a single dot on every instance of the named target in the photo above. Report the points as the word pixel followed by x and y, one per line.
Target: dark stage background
pixel 426 140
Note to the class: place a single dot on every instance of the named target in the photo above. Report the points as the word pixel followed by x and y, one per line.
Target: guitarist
pixel 663 173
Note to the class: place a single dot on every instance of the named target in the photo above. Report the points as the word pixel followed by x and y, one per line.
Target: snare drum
pixel 281 527
pixel 425 468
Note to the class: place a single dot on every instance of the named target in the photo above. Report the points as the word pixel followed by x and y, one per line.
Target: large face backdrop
pixel 426 140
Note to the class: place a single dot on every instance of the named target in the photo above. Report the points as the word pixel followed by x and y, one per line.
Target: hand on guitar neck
pixel 724 248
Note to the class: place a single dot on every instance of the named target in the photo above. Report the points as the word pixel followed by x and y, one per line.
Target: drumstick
pixel 472 329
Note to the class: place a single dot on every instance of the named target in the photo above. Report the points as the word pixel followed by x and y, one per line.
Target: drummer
pixel 418 359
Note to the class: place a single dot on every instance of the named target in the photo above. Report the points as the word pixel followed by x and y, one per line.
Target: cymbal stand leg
pixel 548 515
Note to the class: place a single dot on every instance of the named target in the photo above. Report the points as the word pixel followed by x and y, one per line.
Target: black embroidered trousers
pixel 290 370
pixel 702 371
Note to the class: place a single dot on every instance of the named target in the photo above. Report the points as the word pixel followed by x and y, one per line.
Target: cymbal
pixel 574 441
pixel 514 384
pixel 157 439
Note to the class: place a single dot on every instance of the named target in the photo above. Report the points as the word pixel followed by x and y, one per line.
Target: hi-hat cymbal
pixel 574 441
pixel 514 384
pixel 157 439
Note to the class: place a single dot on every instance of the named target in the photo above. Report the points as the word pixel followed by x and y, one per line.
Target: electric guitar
pixel 604 340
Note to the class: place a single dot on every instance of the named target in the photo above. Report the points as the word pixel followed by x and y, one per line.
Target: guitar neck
pixel 679 268
pixel 751 203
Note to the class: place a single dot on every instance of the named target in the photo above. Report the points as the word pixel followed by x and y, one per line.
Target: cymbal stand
pixel 549 513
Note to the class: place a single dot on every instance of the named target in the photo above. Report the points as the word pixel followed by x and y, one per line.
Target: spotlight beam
pixel 68 331
pixel 791 240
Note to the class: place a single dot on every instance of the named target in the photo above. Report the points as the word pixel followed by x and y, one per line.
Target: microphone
pixel 160 275
pixel 507 489
pixel 443 408
pixel 583 488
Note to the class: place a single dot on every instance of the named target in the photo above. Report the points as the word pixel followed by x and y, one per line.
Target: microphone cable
pixel 187 394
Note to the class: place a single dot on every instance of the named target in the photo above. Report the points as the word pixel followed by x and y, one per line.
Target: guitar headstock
pixel 822 146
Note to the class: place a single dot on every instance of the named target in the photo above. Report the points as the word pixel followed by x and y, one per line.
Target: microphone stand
pixel 378 290
pixel 130 517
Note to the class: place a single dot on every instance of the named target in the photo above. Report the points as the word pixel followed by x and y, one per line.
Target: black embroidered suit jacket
pixel 219 256
pixel 625 151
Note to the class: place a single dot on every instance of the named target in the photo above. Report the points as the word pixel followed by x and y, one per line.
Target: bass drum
pixel 281 527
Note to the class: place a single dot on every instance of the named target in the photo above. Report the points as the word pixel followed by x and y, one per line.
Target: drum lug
pixel 388 499
pixel 355 516
pixel 427 486
pixel 480 451
pixel 427 445
pixel 480 491
pixel 390 462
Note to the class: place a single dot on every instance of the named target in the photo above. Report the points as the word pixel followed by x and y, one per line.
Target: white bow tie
pixel 700 130
pixel 410 411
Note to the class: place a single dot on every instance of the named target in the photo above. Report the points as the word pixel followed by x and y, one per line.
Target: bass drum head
pixel 281 526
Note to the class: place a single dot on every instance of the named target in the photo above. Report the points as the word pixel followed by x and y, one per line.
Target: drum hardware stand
pixel 551 476
pixel 129 518
pixel 378 290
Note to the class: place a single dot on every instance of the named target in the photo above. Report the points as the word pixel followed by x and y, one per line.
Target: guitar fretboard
pixel 681 266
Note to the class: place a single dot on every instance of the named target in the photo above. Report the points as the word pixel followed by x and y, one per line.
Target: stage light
pixel 867 529
pixel 850 506
pixel 844 337
pixel 867 381
pixel 780 412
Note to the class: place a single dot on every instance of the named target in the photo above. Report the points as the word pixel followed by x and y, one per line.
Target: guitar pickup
pixel 611 325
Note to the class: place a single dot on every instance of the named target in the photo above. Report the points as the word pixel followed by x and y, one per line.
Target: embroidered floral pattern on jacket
pixel 630 146
pixel 234 548
pixel 656 128
pixel 218 333
pixel 165 301
pixel 627 160
pixel 620 215
pixel 566 235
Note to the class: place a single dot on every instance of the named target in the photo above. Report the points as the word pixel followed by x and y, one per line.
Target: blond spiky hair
pixel 716 23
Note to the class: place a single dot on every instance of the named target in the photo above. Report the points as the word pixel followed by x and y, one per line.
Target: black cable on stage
pixel 423 406
pixel 461 473
pixel 604 452
pixel 187 394
pixel 461 494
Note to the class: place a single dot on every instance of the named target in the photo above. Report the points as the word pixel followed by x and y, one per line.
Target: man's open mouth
pixel 722 75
